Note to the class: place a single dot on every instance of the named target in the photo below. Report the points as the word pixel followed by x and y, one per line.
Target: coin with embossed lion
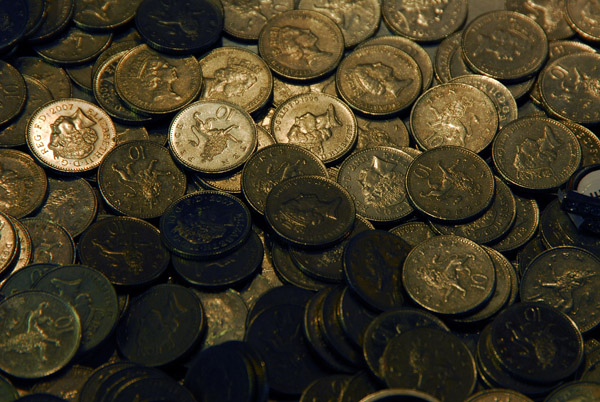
pixel 23 183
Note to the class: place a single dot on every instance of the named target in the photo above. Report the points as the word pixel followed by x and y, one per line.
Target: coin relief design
pixel 245 19
pixel 550 14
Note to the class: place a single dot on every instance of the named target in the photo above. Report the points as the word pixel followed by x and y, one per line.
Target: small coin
pixel 99 17
pixel 56 326
pixel 24 278
pixel 310 211
pixel 590 144
pixel 381 133
pixel 176 326
pixel 54 78
pixel 583 17
pixel 552 16
pixel 326 389
pixel 454 114
pixel 25 251
pixel 57 16
pixel 128 251
pixel 212 136
pixel 318 122
pixel 355 317
pixel 140 179
pixel 429 22
pixel 70 135
pixel 94 383
pixel 246 19
pixel 14 92
pixel 524 227
pixel 379 79
pixel 236 75
pixel 151 388
pixel 301 44
pixel 360 385
pixel 491 395
pixel 154 83
pixel 536 153
pixel 36 10
pixel 413 232
pixel 74 47
pixel 51 242
pixel 290 273
pixel 450 183
pixel 449 275
pixel 577 390
pixel 9 242
pixel 65 385
pixel 81 75
pixel 130 133
pixel 24 183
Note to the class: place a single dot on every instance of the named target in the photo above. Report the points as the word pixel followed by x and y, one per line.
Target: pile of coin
pixel 297 200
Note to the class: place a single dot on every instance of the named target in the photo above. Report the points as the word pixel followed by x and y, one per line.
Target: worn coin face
pixel 551 15
pixel 55 78
pixel 505 45
pixel 536 153
pixel 152 82
pixel 13 92
pixel 301 44
pixel 24 183
pixel 568 87
pixel 525 225
pixel 56 18
pixel 424 21
pixel 450 183
pixel 454 114
pixel 310 211
pixel 375 178
pixel 70 135
pixel 99 16
pixel 320 123
pixel 51 242
pixel 374 132
pixel 449 275
pixel 212 136
pixel 16 23
pixel 236 75
pixel 357 19
pixel 379 79
pixel 43 335
pixel 413 232
pixel 583 17
pixel 582 390
pixel 245 19
pixel 74 47
pixel 491 395
pixel 140 179
pixel 25 252
pixel 590 144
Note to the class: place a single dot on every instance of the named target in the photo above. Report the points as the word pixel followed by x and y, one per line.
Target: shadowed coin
pixel 51 242
pixel 55 78
pixel 65 385
pixel 101 16
pixel 14 92
pixel 326 389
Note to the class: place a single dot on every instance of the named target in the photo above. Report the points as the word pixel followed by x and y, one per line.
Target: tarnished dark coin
pixel 375 178
pixel 301 44
pixel 152 389
pixel 450 183
pixel 583 17
pixel 98 16
pixel 454 114
pixel 590 144
pixel 51 242
pixel 449 275
pixel 290 273
pixel 66 384
pixel 492 395
pixel 44 397
pixel 225 314
pixel 8 392
pixel 115 381
pixel 379 79
pixel 358 20
pixel 310 211
pixel 175 326
pixel 38 94
pixel 373 268
pixel 92 296
pixel 326 389
pixel 381 132
pixel 389 325
pixel 445 367
pixel 24 253
pixel 24 278
pixel 493 224
pixel 276 334
pixel 566 278
pixel 42 337
pixel 413 232
pixel 576 390
pixel 58 14
pixel 424 22
pixel 399 395
pixel 71 203
pixel 227 270
pixel 15 26
pixel 321 123
pixel 536 153
pixel 245 19
pixel 154 83
pixel 360 385
pixel 205 224
pixel 54 78
pixel 280 295
pixel 236 75
pixel 505 45
pixel 212 136
pixel 140 179
pixel 70 135
pixel 23 183
pixel 524 228
pixel 74 47
pixel 187 27
pixel 568 87
pixel 36 10
pixel 13 92
pixel 354 316
pixel 518 333
pixel 551 15
pixel 530 250
pixel 128 251
pixel 94 382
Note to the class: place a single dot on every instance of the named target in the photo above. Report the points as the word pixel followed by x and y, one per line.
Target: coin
pixel 310 211
pixel 225 314
pixel 495 394
pixel 212 136
pixel 97 16
pixel 24 278
pixel 326 389
pixel 301 44
pixel 150 388
pixel 24 183
pixel 582 17
pixel 413 232
pixel 428 22
pixel 574 390
pixel 14 30
pixel 55 324
pixel 51 242
pixel 399 395
pixel 360 385
pixel 9 242
pixel 70 135
pixel 152 82
pixel 246 19
pixel 379 79
pixel 454 114
pixel 524 227
pixel 13 92
pixel 590 144
pixel 552 16
pixel 54 78
pixel 536 153
pixel 57 16
pixel 318 122
pixel 81 75
pixel 74 46
pixel 36 10
pixel 24 253
pixel 449 275
pixel 290 273
pixel 450 183
pixel 236 75
pixel 381 132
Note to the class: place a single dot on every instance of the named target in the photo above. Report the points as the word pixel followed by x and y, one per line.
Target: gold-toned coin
pixel 212 136
pixel 379 80
pixel 583 16
pixel 320 123
pixel 551 15
pixel 590 144
pixel 236 75
pixel 246 18
pixel 285 89
pixel 381 133
pixel 74 47
pixel 301 44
